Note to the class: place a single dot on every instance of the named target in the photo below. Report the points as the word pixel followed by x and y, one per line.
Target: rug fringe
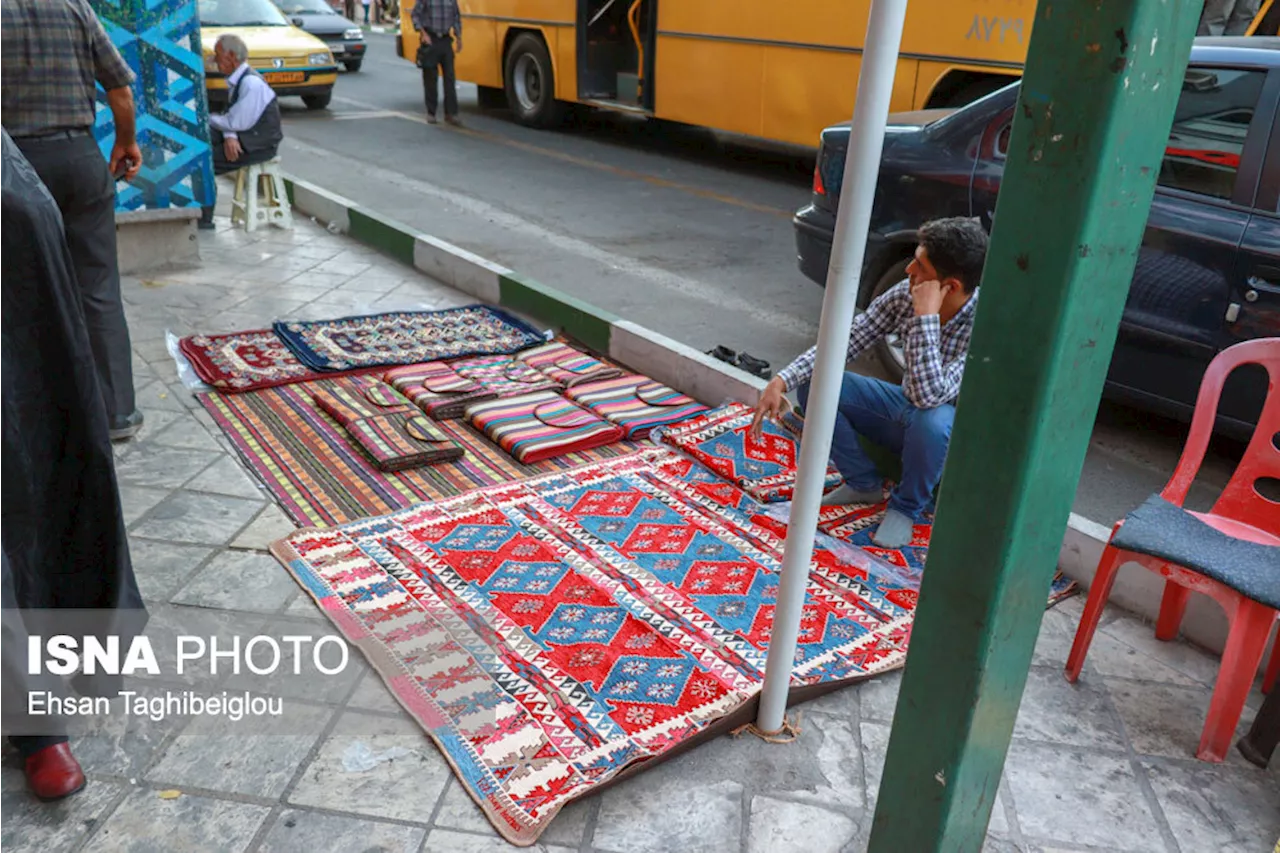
pixel 789 731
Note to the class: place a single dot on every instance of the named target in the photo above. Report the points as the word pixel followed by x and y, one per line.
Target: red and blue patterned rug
pixel 550 633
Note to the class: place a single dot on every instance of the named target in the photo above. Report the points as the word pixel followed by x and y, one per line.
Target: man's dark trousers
pixel 221 165
pixel 78 178
pixel 439 54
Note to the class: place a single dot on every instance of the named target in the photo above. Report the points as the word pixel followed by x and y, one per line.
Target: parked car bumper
pixel 814 229
pixel 347 51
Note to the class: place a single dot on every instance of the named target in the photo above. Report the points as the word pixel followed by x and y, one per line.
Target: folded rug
pixel 444 390
pixel 406 337
pixel 245 361
pixel 765 468
pixel 538 426
pixel 635 403
pixel 566 365
pixel 397 437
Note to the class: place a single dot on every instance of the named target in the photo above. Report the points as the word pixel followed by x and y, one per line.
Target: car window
pixel 240 13
pixel 1209 130
pixel 296 7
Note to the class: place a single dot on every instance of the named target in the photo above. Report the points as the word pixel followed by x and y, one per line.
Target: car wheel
pixel 530 83
pixel 317 102
pixel 889 349
pixel 353 66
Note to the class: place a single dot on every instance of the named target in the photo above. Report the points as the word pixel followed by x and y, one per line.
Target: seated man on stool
pixel 249 131
pixel 932 313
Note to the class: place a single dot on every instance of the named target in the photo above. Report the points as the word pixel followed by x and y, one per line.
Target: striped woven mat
pixel 318 478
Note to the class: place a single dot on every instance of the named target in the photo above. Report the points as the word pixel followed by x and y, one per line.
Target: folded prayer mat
pixel 386 427
pixel 445 390
pixel 764 468
pixel 635 403
pixel 566 365
pixel 539 426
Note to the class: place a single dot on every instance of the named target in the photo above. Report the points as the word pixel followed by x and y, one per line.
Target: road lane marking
pixel 697 290
pixel 585 162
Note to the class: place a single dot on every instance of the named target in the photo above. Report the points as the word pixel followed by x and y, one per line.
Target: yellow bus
pixel 756 67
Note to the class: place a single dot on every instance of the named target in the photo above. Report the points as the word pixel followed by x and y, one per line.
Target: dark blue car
pixel 1208 272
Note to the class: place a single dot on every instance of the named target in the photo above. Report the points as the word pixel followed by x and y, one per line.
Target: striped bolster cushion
pixel 635 403
pixel 393 435
pixel 539 426
pixel 437 389
pixel 566 365
pixel 504 375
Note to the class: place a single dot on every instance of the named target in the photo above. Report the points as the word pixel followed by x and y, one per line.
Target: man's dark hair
pixel 957 248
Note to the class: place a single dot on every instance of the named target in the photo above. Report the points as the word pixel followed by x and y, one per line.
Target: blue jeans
pixel 882 413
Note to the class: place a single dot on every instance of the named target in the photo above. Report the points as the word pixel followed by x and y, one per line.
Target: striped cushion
pixel 635 403
pixel 385 426
pixel 437 389
pixel 566 365
pixel 538 426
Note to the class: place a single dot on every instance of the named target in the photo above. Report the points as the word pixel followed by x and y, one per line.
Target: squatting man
pixel 932 313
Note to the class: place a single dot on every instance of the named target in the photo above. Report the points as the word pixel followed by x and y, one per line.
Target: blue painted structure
pixel 160 39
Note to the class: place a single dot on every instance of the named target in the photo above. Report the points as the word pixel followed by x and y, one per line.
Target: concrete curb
pixel 708 380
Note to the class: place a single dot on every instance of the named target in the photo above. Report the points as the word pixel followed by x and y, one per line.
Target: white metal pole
pixel 862 167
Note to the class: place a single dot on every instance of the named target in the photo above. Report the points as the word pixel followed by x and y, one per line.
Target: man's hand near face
pixel 927 297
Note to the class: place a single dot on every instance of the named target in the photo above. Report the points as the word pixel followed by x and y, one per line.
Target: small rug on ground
pixel 549 634
pixel 406 337
pixel 245 361
pixel 318 477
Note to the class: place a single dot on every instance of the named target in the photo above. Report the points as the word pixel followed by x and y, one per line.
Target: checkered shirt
pixel 934 354
pixel 51 52
pixel 437 16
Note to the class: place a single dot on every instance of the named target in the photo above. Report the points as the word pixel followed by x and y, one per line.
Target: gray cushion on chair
pixel 1164 530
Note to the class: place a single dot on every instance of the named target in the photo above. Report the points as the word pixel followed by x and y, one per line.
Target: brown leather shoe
pixel 53 772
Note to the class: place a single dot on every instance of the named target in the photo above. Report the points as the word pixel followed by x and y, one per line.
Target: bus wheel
pixel 531 85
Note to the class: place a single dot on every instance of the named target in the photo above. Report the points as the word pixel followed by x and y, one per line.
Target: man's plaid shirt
pixel 51 52
pixel 935 355
pixel 437 16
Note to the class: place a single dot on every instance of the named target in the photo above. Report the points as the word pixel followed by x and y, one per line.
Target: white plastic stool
pixel 260 197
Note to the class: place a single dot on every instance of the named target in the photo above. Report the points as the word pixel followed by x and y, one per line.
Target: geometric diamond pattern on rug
pixel 549 633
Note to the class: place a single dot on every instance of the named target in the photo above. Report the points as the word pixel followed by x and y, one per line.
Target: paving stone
pixel 198 518
pixel 302 679
pixel 346 264
pixel 878 698
pixel 841 703
pixel 256 756
pixel 157 395
pixel 145 823
pixel 459 811
pixel 372 694
pixel 1057 633
pixel 31 825
pixel 1077 798
pixel 379 792
pixel 875 744
pixel 135 501
pixel 1113 659
pixel 1218 808
pixel 1057 711
pixel 304 606
pixel 1192 662
pixel 122 743
pixel 155 422
pixel 162 467
pixel 778 826
pixel 657 812
pixel 161 567
pixel 239 580
pixel 448 841
pixel 167 622
pixel 188 432
pixel 836 760
pixel 270 525
pixel 269 308
pixel 227 477
pixel 308 832
pixel 1166 720
pixel 317 251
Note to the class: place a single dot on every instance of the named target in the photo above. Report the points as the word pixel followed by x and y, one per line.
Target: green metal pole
pixel 1092 121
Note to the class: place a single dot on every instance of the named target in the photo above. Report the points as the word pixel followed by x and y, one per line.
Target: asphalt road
pixel 678 229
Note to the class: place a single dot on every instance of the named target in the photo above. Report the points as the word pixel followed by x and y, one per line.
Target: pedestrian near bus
pixel 51 54
pixel 1227 17
pixel 439 25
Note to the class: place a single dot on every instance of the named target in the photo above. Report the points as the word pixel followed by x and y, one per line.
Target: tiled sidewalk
pixel 1103 765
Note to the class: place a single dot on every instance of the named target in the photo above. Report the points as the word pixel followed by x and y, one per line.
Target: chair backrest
pixel 1241 499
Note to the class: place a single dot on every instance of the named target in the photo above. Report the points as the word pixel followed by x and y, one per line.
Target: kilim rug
pixel 319 477
pixel 405 337
pixel 245 361
pixel 549 634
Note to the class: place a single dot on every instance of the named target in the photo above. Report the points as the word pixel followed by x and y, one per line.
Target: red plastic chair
pixel 1240 512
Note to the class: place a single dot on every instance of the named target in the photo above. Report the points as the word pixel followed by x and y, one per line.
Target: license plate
pixel 284 76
